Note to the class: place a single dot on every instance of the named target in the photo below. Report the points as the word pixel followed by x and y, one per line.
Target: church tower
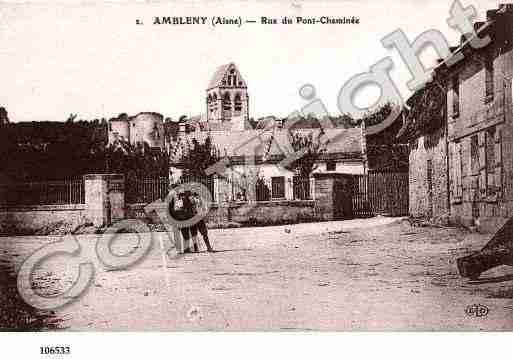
pixel 227 99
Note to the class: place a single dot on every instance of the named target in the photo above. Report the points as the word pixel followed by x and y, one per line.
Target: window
pixel 331 166
pixel 490 161
pixel 232 78
pixel 457 183
pixel 429 166
pixel 490 150
pixel 474 155
pixel 489 78
pixel 455 96
pixel 238 103
pixel 227 104
pixel 278 187
pixel 301 187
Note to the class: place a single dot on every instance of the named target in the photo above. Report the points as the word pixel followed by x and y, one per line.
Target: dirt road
pixel 369 274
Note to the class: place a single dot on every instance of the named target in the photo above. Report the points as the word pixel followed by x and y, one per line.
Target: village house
pixel 254 157
pixel 462 165
pixel 253 154
pixel 425 129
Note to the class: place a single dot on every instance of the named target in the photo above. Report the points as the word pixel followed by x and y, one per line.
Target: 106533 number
pixel 57 350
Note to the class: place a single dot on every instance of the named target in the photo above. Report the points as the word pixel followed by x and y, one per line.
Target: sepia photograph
pixel 256 166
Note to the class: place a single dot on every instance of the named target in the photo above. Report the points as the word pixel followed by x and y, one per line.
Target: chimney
pixel 4 117
pixel 491 14
pixel 506 7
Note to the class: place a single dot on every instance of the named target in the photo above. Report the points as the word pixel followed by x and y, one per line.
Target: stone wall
pixel 33 219
pixel 244 213
pixel 479 196
pixel 333 196
pixel 263 213
pixel 423 202
pixel 104 203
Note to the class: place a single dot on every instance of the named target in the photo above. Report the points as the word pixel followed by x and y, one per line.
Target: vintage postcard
pixel 304 165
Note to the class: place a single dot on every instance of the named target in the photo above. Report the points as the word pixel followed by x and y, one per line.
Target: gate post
pixel 333 196
pixel 104 198
pixel 116 192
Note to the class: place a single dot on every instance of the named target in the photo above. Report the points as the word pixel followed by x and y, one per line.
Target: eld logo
pixel 477 310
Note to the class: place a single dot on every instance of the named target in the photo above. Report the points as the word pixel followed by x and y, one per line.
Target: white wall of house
pixel 174 174
pixel 266 171
pixel 230 184
pixel 343 167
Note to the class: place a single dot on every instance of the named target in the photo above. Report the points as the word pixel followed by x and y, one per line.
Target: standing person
pixel 200 226
pixel 188 213
pixel 180 208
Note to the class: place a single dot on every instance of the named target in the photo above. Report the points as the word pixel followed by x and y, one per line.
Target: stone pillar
pixel 324 199
pixel 104 198
pixel 312 188
pixel 333 196
pixel 289 189
pixel 95 187
pixel 116 195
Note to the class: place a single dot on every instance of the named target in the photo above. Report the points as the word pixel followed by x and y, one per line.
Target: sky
pixel 91 59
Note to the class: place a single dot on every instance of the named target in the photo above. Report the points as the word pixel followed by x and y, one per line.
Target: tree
pixel 309 148
pixel 375 117
pixel 135 161
pixel 41 151
pixel 198 157
pixel 343 121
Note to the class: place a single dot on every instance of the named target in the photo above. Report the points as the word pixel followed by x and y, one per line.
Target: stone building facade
pixel 256 154
pixel 472 148
pixel 145 127
pixel 428 176
pixel 227 98
pixel 425 129
pixel 480 126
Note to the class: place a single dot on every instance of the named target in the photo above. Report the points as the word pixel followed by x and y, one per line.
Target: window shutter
pixel 452 193
pixel 458 173
pixel 482 164
pixel 460 169
pixel 498 161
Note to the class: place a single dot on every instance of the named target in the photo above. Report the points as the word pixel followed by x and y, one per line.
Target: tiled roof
pixel 217 79
pixel 260 143
pixel 218 76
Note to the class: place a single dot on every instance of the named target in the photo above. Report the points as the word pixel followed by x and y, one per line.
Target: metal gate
pixel 383 193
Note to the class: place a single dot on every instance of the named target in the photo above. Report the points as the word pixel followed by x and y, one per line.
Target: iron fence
pixel 146 190
pixel 150 189
pixel 380 193
pixel 42 193
pixel 301 188
pixel 207 188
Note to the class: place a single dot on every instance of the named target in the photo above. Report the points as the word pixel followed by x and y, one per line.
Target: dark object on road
pixel 15 314
pixel 498 251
